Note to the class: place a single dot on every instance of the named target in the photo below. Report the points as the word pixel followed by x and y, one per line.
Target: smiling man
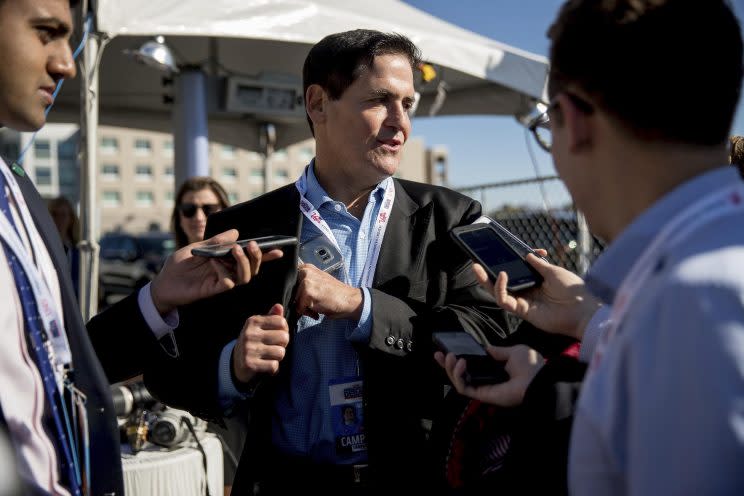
pixel 360 330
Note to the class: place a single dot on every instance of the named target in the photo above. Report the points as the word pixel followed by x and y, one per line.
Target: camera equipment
pixel 171 427
pixel 131 397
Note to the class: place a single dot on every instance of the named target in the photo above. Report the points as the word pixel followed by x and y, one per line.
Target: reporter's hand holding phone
pixel 560 305
pixel 522 364
pixel 261 345
pixel 185 278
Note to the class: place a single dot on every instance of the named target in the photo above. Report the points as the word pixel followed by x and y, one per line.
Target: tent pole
pixel 88 246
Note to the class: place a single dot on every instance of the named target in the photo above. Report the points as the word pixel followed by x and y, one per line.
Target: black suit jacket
pixel 89 376
pixel 422 282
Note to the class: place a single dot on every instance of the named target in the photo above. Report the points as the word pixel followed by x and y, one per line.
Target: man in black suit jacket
pixel 358 91
pixel 35 51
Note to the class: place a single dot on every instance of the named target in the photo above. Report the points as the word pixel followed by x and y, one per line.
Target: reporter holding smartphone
pixel 652 178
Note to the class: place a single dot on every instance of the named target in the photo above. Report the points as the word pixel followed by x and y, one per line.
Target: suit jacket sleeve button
pixel 409 346
pixel 400 344
pixel 390 340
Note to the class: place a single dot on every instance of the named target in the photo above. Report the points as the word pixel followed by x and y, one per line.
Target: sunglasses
pixel 188 210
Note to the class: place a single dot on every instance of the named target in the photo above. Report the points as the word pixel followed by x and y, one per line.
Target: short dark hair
pixel 194 184
pixel 337 60
pixel 668 70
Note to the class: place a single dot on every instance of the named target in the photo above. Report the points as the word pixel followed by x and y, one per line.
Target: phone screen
pixel 494 253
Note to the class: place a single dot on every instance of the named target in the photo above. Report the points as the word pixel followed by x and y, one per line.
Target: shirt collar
pixel 318 196
pixel 608 272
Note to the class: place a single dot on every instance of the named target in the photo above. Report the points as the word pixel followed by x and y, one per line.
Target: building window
pixel 109 146
pixel 168 148
pixel 168 173
pixel 111 198
pixel 43 176
pixel 281 174
pixel 169 197
pixel 143 172
pixel 142 146
pixel 42 149
pixel 227 151
pixel 306 154
pixel 280 155
pixel 229 174
pixel 67 150
pixel 233 197
pixel 110 172
pixel 257 175
pixel 144 199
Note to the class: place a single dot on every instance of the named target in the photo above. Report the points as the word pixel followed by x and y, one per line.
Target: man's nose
pixel 61 65
pixel 398 118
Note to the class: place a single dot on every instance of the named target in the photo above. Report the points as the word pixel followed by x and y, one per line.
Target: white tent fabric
pixel 250 37
pixel 306 21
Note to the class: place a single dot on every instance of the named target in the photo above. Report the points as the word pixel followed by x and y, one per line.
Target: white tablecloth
pixel 179 472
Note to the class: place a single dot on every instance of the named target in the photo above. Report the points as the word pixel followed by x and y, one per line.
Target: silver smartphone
pixel 265 243
pixel 320 252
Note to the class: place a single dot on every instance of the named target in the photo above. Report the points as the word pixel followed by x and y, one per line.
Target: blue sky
pixel 491 149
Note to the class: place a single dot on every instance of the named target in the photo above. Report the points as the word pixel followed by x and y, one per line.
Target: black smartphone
pixel 481 367
pixel 483 243
pixel 265 243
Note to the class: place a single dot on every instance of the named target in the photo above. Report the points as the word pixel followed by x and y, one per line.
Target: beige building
pixel 135 172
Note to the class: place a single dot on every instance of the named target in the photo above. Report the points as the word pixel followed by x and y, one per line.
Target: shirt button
pixel 390 340
pixel 337 207
pixel 362 234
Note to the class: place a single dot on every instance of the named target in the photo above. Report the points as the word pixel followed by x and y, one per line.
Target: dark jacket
pixel 422 283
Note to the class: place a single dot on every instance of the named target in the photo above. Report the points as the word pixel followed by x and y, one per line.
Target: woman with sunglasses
pixel 196 199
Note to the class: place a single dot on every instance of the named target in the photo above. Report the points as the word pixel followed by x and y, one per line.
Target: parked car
pixel 129 261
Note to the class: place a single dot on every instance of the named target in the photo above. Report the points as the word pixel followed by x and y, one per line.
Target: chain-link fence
pixel 540 212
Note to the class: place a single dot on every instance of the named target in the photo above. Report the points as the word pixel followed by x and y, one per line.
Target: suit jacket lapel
pixel 401 251
pixel 48 232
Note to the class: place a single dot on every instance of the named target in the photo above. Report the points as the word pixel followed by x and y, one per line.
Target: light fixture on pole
pixel 190 137
pixel 156 54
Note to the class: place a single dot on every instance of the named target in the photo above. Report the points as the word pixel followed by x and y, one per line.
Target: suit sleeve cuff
pixel 226 387
pixel 363 330
pixel 159 325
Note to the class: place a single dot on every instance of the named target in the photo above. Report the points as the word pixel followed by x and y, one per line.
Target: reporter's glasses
pixel 188 210
pixel 540 125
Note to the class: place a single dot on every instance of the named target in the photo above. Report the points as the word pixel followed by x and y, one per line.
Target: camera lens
pixel 322 252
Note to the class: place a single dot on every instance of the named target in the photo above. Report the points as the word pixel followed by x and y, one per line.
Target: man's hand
pixel 321 293
pixel 261 345
pixel 561 304
pixel 185 278
pixel 522 364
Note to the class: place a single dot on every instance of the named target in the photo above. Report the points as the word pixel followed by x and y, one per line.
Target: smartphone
pixel 483 243
pixel 265 243
pixel 520 246
pixel 481 367
pixel 320 252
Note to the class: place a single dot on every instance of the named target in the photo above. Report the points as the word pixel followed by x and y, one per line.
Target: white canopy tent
pixel 255 38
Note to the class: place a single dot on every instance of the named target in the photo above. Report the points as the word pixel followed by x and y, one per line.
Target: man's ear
pixel 315 103
pixel 579 125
